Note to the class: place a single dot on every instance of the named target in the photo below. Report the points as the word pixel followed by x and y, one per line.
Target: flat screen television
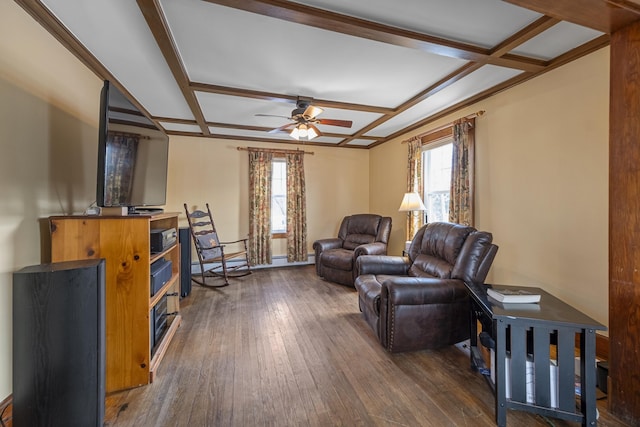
pixel 132 156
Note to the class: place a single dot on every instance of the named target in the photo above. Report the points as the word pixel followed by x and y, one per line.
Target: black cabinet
pixel 58 344
pixel 184 236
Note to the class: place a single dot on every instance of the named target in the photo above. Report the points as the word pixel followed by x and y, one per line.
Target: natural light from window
pixel 436 163
pixel 279 196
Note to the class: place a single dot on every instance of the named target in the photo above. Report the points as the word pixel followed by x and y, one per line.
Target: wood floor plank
pixel 282 347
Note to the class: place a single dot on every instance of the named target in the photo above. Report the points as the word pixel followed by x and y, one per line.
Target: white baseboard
pixel 276 261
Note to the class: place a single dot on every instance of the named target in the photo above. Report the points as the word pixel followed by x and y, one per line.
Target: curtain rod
pixel 269 150
pixel 469 117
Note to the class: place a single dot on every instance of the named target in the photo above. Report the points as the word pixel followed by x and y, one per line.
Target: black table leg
pixel 500 355
pixel 588 376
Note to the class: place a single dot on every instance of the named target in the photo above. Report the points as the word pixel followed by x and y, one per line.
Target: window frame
pixel 278 234
pixel 428 146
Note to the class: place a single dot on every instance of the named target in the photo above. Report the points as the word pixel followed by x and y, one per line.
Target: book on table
pixel 518 306
pixel 507 295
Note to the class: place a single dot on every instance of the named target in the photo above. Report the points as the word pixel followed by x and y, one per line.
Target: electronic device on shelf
pixel 163 239
pixel 160 274
pixel 157 324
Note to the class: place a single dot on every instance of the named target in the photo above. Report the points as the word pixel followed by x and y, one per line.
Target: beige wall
pixel 48 137
pixel 542 182
pixel 49 107
pixel 388 181
pixel 205 170
pixel 542 171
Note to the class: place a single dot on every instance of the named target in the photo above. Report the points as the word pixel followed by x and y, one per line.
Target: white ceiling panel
pixel 210 67
pixel 361 142
pixel 180 127
pixel 481 22
pixel 481 79
pixel 273 55
pixel 556 40
pixel 116 34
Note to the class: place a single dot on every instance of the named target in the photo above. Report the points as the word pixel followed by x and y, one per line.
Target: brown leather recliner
pixel 420 301
pixel 360 234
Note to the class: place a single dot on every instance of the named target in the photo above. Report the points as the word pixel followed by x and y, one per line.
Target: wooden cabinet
pixel 124 242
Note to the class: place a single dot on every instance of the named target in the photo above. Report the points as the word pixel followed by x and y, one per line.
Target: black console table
pixel 523 336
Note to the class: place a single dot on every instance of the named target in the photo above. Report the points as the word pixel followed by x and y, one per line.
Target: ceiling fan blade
pixel 272 115
pixel 334 122
pixel 282 128
pixel 311 112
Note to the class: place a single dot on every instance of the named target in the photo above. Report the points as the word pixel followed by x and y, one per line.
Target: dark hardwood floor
pixel 283 348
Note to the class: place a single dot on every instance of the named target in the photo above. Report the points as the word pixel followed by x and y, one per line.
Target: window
pixel 436 164
pixel 279 196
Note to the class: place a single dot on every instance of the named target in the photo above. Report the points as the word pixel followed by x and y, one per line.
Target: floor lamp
pixel 412 204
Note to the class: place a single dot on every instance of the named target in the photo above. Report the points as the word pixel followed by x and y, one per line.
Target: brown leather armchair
pixel 360 234
pixel 420 301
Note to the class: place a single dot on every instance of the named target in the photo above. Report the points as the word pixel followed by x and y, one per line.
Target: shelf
pixel 163 290
pixel 124 242
pixel 478 364
pixel 156 256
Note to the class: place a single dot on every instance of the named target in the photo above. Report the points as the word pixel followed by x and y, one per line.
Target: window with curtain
pixel 461 205
pixel 277 204
pixel 436 164
pixel 260 163
pixel 427 170
pixel 296 208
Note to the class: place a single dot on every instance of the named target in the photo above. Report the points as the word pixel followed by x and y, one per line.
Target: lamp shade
pixel 295 133
pixel 411 202
pixel 312 132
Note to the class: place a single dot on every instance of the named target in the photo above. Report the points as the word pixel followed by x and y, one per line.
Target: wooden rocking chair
pixel 211 251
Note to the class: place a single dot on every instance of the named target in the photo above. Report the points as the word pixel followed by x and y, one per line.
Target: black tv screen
pixel 132 155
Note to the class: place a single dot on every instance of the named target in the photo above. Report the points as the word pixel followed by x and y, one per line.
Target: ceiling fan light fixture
pixel 302 131
pixel 295 134
pixel 303 120
pixel 311 133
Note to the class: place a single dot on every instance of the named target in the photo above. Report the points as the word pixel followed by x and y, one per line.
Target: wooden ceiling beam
pixel 349 25
pixel 630 5
pixel 603 15
pixel 501 50
pixel 530 31
pixel 458 74
pixel 50 22
pixel 160 29
pixel 270 96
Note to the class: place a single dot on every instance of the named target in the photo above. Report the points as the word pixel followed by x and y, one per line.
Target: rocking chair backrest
pixel 203 231
pixel 213 254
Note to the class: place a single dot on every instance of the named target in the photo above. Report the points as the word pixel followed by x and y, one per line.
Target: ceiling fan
pixel 303 120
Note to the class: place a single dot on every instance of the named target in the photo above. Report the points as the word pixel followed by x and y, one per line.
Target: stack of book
pixel 510 296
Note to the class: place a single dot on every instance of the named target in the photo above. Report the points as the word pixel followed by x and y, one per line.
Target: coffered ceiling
pixel 235 69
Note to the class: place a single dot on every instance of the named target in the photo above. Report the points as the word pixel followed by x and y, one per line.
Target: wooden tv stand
pixel 124 242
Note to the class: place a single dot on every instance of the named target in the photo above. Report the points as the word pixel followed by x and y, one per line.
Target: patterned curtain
pixel 260 207
pixel 414 183
pixel 462 172
pixel 121 153
pixel 296 209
